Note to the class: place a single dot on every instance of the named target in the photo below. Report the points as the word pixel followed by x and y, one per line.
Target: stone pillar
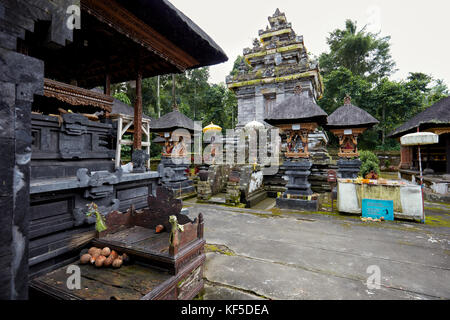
pixel 203 185
pixel 348 169
pixel 20 79
pixel 298 173
pixel 298 195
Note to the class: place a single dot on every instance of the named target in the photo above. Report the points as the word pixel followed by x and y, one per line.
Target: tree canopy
pixel 358 63
pixel 363 53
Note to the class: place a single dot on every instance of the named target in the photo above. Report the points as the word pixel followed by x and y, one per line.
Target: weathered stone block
pixel 348 169
pixel 297 204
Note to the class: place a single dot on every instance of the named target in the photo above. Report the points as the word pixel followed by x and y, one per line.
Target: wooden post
pixel 137 137
pixel 107 89
pixel 448 152
pixel 158 98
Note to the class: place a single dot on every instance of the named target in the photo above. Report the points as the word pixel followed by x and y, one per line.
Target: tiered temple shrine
pixel 268 73
pixel 270 69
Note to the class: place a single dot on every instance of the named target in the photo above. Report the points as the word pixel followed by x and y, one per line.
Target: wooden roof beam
pixel 120 19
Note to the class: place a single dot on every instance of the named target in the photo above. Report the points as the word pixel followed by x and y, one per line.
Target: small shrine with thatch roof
pixel 298 116
pixel 348 122
pixel 174 131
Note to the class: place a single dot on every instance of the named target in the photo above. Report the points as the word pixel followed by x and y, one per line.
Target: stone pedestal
pixel 298 173
pixel 203 186
pixel 298 195
pixel 174 176
pixel 204 190
pixel 348 169
pixel 245 186
pixel 139 158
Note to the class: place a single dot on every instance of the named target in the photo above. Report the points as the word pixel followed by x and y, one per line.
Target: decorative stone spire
pixel 256 43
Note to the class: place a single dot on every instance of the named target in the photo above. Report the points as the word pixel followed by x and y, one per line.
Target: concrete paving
pixel 278 254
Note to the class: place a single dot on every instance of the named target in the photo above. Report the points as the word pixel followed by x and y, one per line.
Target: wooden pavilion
pixel 51 54
pixel 435 119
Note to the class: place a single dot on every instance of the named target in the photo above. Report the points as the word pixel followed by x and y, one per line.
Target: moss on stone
pixel 217 248
pixel 273 79
pixel 437 221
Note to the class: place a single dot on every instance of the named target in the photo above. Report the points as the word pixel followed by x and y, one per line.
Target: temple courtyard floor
pixel 267 253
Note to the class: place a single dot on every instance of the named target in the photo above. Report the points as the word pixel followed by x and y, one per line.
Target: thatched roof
pixel 123 108
pixel 298 107
pixel 436 115
pixel 159 139
pixel 349 116
pixel 171 121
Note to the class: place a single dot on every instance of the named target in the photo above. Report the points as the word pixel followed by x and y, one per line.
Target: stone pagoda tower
pixel 268 74
pixel 271 69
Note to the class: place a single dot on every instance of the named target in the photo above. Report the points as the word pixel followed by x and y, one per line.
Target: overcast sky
pixel 419 30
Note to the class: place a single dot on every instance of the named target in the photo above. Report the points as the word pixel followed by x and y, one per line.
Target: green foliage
pixel 369 162
pixel 155 150
pixel 100 224
pixel 367 167
pixel 363 53
pixel 122 96
pixel 358 65
pixel 195 97
pixel 236 64
pixel 365 156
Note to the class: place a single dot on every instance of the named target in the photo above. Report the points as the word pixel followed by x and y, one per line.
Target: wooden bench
pixel 158 269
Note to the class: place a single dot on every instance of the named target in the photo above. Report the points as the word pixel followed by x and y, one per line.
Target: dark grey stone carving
pixel 298 173
pixel 139 158
pixel 174 177
pixel 77 141
pixel 348 169
pixel 297 186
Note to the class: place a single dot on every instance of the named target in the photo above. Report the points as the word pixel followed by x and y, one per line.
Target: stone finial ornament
pixel 347 100
pixel 298 88
pixel 256 43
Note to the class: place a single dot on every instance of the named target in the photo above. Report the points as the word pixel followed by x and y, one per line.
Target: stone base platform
pixel 297 204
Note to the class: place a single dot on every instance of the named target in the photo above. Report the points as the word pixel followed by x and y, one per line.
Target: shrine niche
pixel 297 139
pixel 297 117
pixel 174 147
pixel 348 141
pixel 348 123
pixel 174 131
